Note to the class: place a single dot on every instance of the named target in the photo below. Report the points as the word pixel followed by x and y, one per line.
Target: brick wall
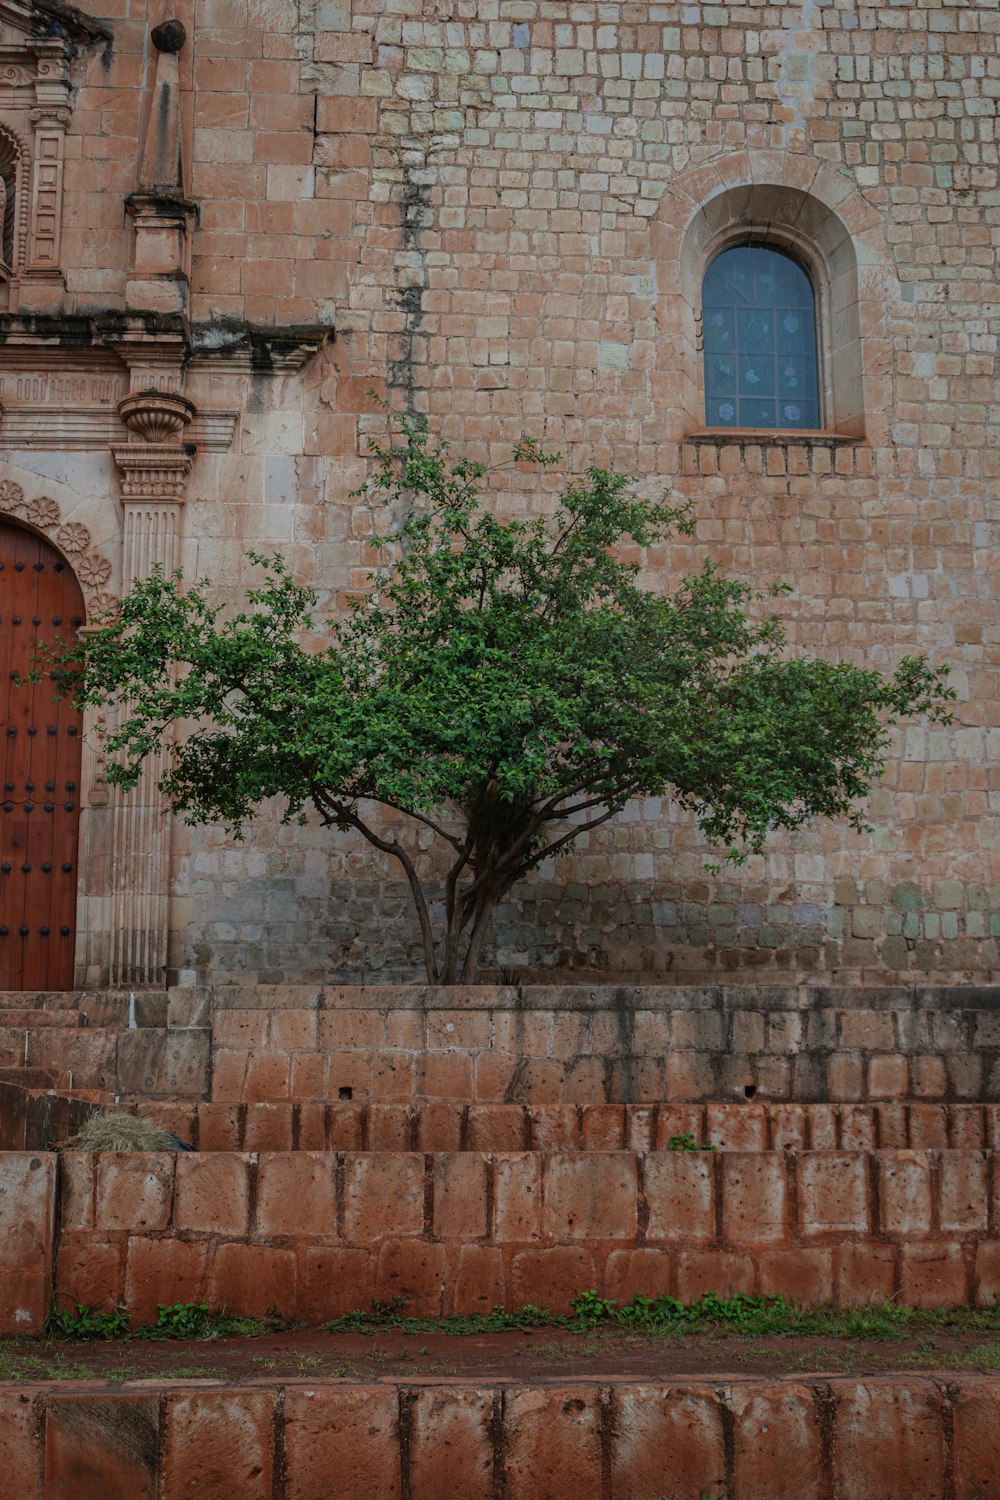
pixel 602 1045
pixel 904 1438
pixel 448 1125
pixel 314 1234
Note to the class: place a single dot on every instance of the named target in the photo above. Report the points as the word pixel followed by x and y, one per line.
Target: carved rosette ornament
pixel 155 416
pixel 73 539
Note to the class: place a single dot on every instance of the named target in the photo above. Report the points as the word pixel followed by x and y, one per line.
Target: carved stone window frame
pixel 35 112
pixel 801 206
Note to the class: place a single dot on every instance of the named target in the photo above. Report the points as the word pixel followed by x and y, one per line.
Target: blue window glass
pixel 759 321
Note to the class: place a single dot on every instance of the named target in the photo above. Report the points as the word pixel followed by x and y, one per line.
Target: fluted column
pixel 153 482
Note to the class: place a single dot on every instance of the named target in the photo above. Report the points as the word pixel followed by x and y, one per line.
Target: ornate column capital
pixel 152 472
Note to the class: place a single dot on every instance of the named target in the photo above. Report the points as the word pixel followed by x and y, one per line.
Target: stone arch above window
pixel 812 217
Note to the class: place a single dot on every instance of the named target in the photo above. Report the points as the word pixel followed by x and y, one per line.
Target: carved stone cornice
pixel 152 473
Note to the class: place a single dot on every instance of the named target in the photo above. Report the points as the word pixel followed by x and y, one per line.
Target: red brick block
pixel 858 1128
pixel 679 1188
pixel 134 1190
pixel 77 1172
pixel 24 1301
pixel 887 1428
pixel 242 1029
pixel 97 1447
pixel 833 1193
pixel 640 1127
pixel 722 1272
pixel 90 1269
pixel 933 1275
pixel 212 1194
pixel 493 1073
pixel 888 1076
pixel 789 1127
pixel 777 1443
pixel 631 1273
pixel 344 1126
pixel 390 1127
pixel 799 1275
pixel 552 1444
pixel 308 1075
pixel 251 1280
pixel 167 1270
pixel 347 1435
pixel 824 1127
pixel 603 1127
pixel 966 1127
pixel 294 1030
pixel 27 1230
pixel 216 1443
pixel 555 1127
pixel 444 1075
pixel 474 1282
pixel 589 1195
pixel 20 1436
pixel 392 1075
pixel 451 1445
pixel 735 1127
pixel 459 1196
pixel 550 1278
pixel 296 1194
pixel 439 1125
pixel 414 1270
pixel 928 1127
pixel 348 115
pixel 229 1071
pixel 517 1197
pixel 268 1127
pixel 219 1128
pixel 311 1115
pixel 361 1030
pixel 965 1193
pixel 864 1273
pixel 350 1070
pixel 667 1442
pixel 498 1127
pixel 904 1190
pixel 893 1125
pixel 754 1200
pixel 332 1281
pixel 987 1274
pixel 976 1404
pixel 584 1081
pixel 687 1077
pixel 266 1077
pixel 383 1197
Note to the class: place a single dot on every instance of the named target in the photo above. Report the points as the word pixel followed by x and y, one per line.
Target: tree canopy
pixel 505 684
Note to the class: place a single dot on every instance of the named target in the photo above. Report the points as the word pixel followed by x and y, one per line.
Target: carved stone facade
pixel 218 240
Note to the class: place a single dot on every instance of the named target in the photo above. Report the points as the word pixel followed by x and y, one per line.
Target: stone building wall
pixel 501 210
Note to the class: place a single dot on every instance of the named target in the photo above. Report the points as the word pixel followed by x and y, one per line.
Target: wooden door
pixel 40 600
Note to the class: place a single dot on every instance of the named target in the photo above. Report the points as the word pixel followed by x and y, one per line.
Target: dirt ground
pixel 526 1355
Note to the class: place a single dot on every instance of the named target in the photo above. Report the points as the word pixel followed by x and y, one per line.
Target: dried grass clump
pixel 117 1130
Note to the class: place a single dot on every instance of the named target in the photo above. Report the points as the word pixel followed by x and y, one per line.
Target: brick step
pixel 909 1437
pixel 315 1234
pixel 11 1019
pixel 812 1075
pixel 112 1008
pixel 446 1125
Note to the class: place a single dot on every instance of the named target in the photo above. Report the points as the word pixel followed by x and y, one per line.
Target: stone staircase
pixel 463 1149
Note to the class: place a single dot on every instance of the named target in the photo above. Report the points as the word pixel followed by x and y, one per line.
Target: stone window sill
pixel 783 437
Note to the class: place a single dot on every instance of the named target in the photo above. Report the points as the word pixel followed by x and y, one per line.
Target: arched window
pixel 759 323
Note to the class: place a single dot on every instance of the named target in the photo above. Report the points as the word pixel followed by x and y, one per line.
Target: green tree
pixel 506 685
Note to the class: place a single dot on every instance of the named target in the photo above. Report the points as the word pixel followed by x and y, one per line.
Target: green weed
pixel 82 1322
pixel 687 1142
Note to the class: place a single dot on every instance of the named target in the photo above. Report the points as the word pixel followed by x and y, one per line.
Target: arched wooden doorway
pixel 41 750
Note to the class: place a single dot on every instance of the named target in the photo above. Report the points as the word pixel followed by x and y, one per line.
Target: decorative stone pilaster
pixel 153 485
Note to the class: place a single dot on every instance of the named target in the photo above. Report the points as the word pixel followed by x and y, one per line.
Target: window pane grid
pixel 759 325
